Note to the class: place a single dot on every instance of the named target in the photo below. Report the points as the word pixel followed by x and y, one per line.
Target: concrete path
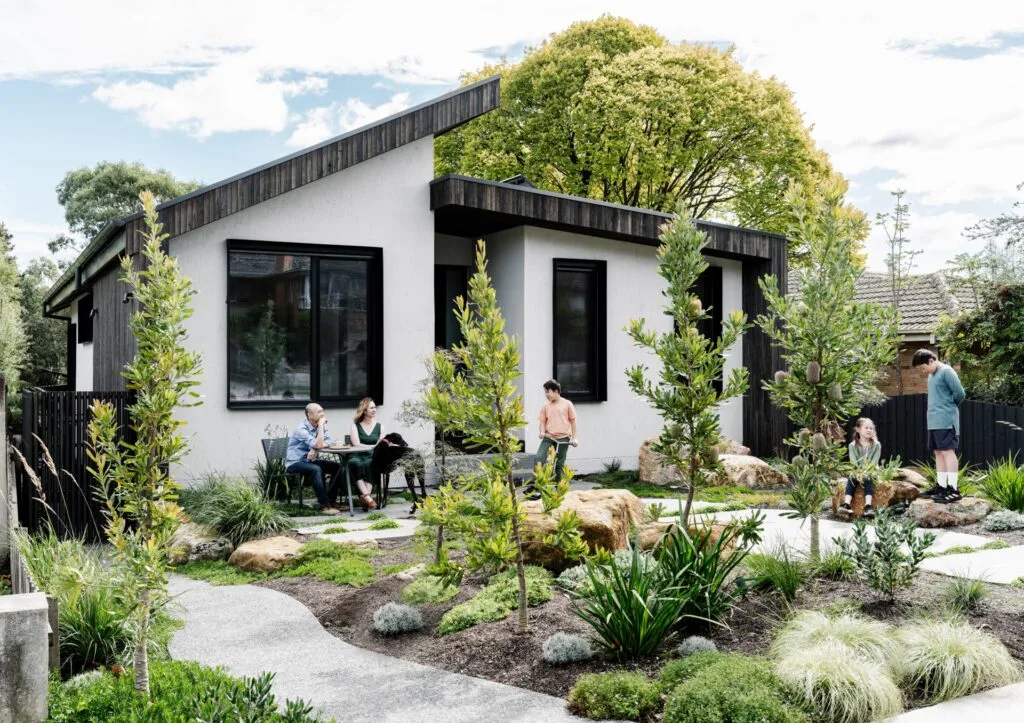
pixel 251 630
pixel 1002 705
pixel 996 566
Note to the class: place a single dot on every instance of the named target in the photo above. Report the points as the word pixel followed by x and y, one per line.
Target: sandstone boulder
pixel 654 471
pixel 366 544
pixel 194 542
pixel 905 474
pixel 967 511
pixel 886 494
pixel 651 532
pixel 267 555
pixel 746 471
pixel 605 520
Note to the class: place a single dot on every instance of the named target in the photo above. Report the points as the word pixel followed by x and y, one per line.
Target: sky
pixel 923 96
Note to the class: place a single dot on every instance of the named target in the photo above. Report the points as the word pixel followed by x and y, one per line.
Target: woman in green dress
pixel 366 432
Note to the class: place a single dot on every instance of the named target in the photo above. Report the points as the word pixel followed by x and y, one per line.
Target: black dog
pixel 392 450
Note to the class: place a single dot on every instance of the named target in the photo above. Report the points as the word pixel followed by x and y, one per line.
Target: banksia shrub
pixel 813 372
pixel 835 391
pixel 562 648
pixel 696 644
pixel 819 442
pixel 781 376
pixel 394 618
pixel 696 307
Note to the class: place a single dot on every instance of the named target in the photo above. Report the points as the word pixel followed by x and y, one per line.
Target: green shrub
pixel 1003 483
pixel 614 696
pixel 237 509
pixel 428 590
pixel 1018 583
pixel 218 572
pixel 839 684
pixel 963 595
pixel 722 688
pixel 385 524
pixel 696 644
pixel 834 565
pixel 967 549
pixel 883 563
pixel 577 580
pixel 870 639
pixel 776 570
pixel 1003 521
pixel 562 648
pixel 498 600
pixel 394 618
pixel 376 515
pixel 333 530
pixel 332 562
pixel 945 659
pixel 180 691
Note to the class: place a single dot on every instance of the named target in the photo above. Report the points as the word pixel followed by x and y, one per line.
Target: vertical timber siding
pixel 113 343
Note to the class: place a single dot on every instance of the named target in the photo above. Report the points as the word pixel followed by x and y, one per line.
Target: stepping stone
pixel 996 566
pixel 1001 704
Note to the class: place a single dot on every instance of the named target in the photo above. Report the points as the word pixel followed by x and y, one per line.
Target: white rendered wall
pixel 83 358
pixel 617 427
pixel 384 203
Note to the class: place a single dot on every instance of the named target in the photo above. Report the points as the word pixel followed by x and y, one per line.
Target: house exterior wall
pixel 914 382
pixel 83 358
pixel 381 203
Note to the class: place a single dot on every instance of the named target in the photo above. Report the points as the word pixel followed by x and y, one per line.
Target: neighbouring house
pixel 926 299
pixel 330 275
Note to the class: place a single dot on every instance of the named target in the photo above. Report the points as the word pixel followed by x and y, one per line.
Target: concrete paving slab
pixel 996 566
pixel 251 630
pixel 1002 705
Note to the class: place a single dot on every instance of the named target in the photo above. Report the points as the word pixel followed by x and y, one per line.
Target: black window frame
pixel 375 323
pixel 598 325
pixel 86 312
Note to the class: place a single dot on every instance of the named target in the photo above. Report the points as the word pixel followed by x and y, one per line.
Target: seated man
pixel 302 458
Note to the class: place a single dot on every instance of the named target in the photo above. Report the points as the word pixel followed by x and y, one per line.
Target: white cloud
pixel 30 238
pixel 939 236
pixel 319 124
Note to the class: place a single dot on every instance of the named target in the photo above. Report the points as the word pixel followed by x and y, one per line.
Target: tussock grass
pixel 870 639
pixel 963 596
pixel 777 569
pixel 236 508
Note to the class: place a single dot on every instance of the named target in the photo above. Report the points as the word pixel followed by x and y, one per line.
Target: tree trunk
pixel 522 618
pixel 141 658
pixel 689 495
pixel 440 542
pixel 815 541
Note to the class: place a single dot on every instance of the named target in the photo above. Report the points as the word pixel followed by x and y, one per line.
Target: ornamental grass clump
pixel 945 659
pixel 394 618
pixel 1003 483
pixel 614 696
pixel 562 648
pixel 776 569
pixel 963 595
pixel 236 508
pixel 867 638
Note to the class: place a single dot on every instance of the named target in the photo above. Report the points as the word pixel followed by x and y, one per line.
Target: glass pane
pixel 344 338
pixel 268 326
pixel 574 314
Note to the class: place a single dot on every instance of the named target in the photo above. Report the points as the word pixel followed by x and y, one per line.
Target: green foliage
pixel 334 530
pixel 683 391
pixel 777 569
pixel 655 512
pixel 181 690
pixel 12 332
pixel 47 352
pixel 562 648
pixel 476 395
pixel 945 659
pixel 696 644
pixel 1018 583
pixel 218 572
pixel 332 562
pixel 498 600
pixel 967 549
pixel 613 465
pixel 1003 521
pixel 614 696
pixel 270 477
pixel 892 561
pixel 722 688
pixel 963 596
pixel 376 515
pixel 428 590
pixel 835 565
pixel 577 579
pixel 866 638
pixel 1003 483
pixel 236 508
pixel 830 343
pixel 92 197
pixel 395 618
pixel 266 343
pixel 611 110
pixel 385 524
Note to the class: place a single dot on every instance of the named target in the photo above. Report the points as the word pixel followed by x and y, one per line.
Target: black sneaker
pixel 952 495
pixel 933 491
pixel 844 510
pixel 869 512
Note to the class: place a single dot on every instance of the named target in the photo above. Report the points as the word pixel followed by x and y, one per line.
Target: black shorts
pixel 941 439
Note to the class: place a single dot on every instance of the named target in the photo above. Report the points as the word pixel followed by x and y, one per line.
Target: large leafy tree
pixel 833 345
pixel 12 335
pixel 613 111
pixel 684 389
pixel 93 196
pixel 47 354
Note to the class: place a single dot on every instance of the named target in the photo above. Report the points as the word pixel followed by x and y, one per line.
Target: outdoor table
pixel 340 452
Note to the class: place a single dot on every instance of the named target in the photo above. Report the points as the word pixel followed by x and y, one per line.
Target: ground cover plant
pixel 562 648
pixel 428 589
pixel 614 696
pixel 778 568
pixel 1003 521
pixel 498 600
pixel 384 524
pixel 395 618
pixel 967 549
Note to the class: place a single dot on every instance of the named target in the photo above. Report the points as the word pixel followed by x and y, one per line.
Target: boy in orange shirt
pixel 557 427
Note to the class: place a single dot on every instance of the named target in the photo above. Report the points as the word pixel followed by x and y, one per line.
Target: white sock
pixel 951 479
pixel 942 478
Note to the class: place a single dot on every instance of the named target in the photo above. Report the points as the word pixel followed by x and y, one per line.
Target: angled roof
pixel 211 203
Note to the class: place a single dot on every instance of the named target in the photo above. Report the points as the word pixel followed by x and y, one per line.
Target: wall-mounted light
pixel 93 312
pixel 128 296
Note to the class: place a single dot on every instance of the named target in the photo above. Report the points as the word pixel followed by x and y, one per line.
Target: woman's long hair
pixel 364 404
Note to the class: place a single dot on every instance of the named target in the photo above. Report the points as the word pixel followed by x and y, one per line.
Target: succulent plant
pixel 813 372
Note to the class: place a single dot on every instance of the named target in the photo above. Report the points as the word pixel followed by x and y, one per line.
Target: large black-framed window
pixel 86 312
pixel 580 329
pixel 305 323
pixel 708 289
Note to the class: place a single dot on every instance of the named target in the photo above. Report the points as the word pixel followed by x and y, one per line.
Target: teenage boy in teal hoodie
pixel 945 392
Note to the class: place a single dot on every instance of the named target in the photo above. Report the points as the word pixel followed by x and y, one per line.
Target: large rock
pixel 967 511
pixel 605 520
pixel 745 471
pixel 905 474
pixel 194 542
pixel 267 555
pixel 886 494
pixel 654 471
pixel 651 532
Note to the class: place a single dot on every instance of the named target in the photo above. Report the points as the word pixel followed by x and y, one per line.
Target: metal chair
pixel 275 450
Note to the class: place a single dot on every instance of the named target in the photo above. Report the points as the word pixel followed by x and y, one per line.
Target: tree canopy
pixel 12 335
pixel 93 196
pixel 613 111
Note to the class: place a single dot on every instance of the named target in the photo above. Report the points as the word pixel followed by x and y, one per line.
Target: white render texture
pixel 83 357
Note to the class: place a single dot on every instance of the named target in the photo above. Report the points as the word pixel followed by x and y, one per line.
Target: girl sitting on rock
pixel 865 452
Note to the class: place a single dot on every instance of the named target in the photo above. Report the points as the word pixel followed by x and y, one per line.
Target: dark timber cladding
pixel 472 208
pixel 113 342
pixel 209 204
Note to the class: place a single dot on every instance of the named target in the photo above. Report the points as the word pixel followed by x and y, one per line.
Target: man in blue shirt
pixel 303 456
pixel 945 392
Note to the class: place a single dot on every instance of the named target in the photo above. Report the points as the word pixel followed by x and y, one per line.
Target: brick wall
pixel 914 381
